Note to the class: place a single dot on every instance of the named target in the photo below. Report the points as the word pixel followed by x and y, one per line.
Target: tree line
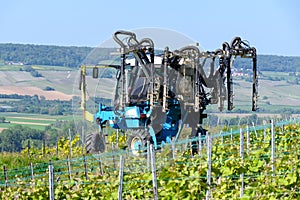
pixel 43 54
pixel 271 63
pixel 18 137
pixel 72 56
pixel 67 56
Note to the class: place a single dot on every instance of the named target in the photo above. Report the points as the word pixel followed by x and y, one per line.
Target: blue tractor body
pixel 138 117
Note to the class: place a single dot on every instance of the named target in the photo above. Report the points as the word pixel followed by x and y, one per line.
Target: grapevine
pixel 181 178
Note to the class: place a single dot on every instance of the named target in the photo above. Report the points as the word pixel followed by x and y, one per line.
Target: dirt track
pixel 33 118
pixel 27 90
pixel 31 123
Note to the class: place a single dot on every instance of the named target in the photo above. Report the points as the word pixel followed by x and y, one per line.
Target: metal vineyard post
pixel 69 168
pixel 209 163
pixel 121 174
pixel 242 156
pixel 51 181
pixel 31 171
pixel 153 166
pixel 248 140
pixel 272 147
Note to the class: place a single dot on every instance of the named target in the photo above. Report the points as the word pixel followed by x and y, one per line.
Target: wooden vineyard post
pixel 85 168
pixel 83 140
pixel 5 176
pixel 44 146
pixel 100 166
pixel 69 168
pixel 191 147
pixel 28 146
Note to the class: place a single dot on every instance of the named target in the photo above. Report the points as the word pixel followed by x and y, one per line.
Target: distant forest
pixel 43 54
pixel 72 56
pixel 272 63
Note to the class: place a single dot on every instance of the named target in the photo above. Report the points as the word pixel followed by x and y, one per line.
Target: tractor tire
pixel 195 144
pixel 95 143
pixel 137 142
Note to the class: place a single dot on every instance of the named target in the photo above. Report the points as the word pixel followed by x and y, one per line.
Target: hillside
pixel 279 91
pixel 29 54
pixel 272 63
pixel 32 69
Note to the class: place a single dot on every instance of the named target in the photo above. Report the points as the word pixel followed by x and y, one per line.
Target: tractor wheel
pixel 137 142
pixel 195 144
pixel 95 143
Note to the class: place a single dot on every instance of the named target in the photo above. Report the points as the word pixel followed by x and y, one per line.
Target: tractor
pixel 158 92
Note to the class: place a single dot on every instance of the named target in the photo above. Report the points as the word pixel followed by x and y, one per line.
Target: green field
pixel 34 121
pixel 4 67
pixel 7 99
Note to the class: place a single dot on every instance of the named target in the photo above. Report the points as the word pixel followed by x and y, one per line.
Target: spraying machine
pixel 157 92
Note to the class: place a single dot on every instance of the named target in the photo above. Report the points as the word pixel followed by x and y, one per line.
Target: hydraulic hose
pixel 116 38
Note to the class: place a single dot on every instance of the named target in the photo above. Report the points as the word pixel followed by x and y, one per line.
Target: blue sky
pixel 272 26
